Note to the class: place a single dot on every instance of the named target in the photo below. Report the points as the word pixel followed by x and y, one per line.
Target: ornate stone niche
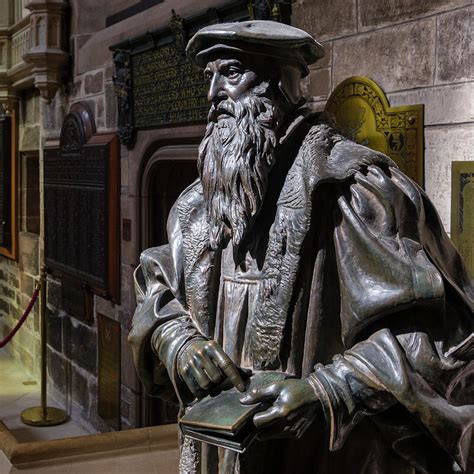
pixel 47 49
pixel 82 186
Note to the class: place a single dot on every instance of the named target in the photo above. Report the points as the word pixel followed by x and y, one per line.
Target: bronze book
pixel 221 420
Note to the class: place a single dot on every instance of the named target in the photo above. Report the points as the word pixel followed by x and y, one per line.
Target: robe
pixel 347 278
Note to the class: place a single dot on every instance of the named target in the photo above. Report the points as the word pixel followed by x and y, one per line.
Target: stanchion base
pixel 35 416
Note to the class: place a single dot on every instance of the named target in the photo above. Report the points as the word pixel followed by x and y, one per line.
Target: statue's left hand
pixel 294 406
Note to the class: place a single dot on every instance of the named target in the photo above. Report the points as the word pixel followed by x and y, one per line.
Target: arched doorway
pixel 167 173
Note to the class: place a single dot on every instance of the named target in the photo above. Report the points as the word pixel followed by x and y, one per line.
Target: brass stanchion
pixel 43 415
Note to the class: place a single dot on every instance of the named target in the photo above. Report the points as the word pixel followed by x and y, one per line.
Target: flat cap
pixel 269 38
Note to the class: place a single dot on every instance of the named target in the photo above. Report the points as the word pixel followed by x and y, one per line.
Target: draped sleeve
pixel 162 323
pixel 406 320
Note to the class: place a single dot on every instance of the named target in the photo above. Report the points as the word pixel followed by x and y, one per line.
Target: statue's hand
pixel 203 365
pixel 294 406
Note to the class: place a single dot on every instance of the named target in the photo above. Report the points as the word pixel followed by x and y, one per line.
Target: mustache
pixel 225 107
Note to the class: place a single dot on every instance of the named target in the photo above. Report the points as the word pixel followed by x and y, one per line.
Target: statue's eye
pixel 207 75
pixel 233 72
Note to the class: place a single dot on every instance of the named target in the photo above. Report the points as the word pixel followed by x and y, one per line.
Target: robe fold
pixel 348 279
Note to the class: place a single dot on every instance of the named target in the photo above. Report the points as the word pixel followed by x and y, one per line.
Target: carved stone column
pixel 47 50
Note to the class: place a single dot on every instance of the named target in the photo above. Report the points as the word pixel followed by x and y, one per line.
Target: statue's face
pixel 229 78
pixel 236 154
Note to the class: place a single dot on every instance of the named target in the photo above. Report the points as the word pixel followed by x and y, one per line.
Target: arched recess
pixel 169 170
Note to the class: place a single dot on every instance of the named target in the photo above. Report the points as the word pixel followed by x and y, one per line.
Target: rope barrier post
pixel 43 415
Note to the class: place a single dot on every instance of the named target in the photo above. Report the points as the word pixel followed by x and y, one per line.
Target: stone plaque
pixel 81 199
pixel 364 114
pixel 462 210
pixel 5 182
pixel 109 370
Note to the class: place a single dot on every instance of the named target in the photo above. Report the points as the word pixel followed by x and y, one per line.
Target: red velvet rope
pixel 20 322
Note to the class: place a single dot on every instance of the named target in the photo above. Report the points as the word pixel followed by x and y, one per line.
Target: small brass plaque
pixel 462 210
pixel 109 370
pixel 364 114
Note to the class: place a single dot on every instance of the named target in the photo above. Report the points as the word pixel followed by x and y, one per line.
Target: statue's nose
pixel 216 93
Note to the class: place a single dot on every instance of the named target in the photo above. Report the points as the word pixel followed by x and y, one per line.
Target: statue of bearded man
pixel 300 251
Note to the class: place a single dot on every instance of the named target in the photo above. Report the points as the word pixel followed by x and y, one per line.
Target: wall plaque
pixel 364 114
pixel 155 84
pixel 462 210
pixel 109 370
pixel 81 185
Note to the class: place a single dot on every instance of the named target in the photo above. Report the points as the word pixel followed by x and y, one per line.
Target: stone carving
pixel 123 90
pixel 301 251
pixel 47 51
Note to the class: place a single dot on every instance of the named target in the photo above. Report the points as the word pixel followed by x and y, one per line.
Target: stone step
pixel 144 450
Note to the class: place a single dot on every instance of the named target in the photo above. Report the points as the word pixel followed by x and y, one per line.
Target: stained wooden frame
pixel 10 250
pixel 88 162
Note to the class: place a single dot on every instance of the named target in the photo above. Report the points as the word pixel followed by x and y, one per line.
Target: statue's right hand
pixel 203 365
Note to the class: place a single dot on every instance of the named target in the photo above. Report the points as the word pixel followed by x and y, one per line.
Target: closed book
pixel 221 419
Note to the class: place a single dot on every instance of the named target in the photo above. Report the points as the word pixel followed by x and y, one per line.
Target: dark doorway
pixel 166 179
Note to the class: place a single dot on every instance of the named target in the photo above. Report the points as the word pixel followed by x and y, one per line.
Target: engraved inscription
pixel 167 89
pixel 462 212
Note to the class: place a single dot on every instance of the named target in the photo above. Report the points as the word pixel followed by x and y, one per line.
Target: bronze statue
pixel 298 250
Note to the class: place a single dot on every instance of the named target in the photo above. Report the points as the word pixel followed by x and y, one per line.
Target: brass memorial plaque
pixel 462 210
pixel 109 370
pixel 167 88
pixel 364 114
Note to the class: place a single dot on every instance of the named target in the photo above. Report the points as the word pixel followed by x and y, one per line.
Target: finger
pixel 229 368
pixel 213 371
pixel 198 374
pixel 267 418
pixel 193 387
pixel 261 394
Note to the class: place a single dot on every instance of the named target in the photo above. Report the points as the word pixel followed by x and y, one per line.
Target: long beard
pixel 235 159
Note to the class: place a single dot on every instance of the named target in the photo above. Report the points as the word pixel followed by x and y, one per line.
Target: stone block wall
pixel 19 278
pixel 418 52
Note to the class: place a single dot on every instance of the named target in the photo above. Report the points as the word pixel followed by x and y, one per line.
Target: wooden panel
pixel 109 370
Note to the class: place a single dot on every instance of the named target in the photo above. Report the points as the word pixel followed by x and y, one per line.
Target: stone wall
pixel 18 279
pixel 418 52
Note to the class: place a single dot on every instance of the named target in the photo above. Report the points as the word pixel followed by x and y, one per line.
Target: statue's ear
pixel 289 83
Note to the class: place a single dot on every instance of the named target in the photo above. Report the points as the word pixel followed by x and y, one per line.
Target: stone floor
pixel 17 392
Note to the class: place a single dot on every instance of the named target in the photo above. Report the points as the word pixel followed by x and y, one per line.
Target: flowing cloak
pixel 347 278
